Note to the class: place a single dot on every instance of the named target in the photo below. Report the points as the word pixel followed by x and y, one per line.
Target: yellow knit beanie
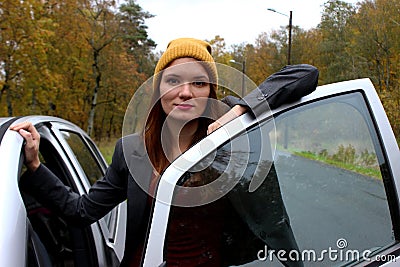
pixel 187 47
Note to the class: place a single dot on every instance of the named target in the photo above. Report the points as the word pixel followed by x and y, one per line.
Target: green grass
pixel 107 148
pixel 351 167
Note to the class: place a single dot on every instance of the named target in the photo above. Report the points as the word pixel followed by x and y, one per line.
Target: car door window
pixel 314 191
pixel 84 156
pixel 333 175
pixel 93 166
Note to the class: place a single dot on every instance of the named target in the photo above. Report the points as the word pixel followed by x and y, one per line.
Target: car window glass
pixel 88 162
pixel 217 232
pixel 96 152
pixel 84 156
pixel 317 198
pixel 329 164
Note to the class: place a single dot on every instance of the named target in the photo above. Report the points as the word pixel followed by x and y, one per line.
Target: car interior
pixel 64 245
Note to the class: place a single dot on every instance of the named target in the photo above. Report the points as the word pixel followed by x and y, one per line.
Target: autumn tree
pixel 68 61
pixel 336 61
pixel 376 43
pixel 82 60
pixel 103 29
pixel 64 58
pixel 23 46
pixel 219 49
pixel 130 64
pixel 263 58
pixel 135 37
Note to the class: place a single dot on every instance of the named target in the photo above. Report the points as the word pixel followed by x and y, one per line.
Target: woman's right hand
pixel 32 139
pixel 234 112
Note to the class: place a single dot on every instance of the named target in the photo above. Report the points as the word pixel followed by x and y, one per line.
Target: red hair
pixel 155 120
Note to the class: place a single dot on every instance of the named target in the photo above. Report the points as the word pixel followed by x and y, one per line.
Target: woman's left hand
pixel 236 111
pixel 32 139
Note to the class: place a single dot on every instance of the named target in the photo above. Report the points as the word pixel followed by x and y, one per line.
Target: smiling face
pixel 184 89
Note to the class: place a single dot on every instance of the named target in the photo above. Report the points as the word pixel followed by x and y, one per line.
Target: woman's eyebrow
pixel 172 75
pixel 199 77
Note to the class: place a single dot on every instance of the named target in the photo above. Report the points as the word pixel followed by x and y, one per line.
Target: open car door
pixel 312 183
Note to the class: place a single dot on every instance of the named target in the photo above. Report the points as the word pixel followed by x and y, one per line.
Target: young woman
pixel 182 112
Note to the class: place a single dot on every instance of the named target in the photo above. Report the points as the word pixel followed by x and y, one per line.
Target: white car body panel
pixel 13 233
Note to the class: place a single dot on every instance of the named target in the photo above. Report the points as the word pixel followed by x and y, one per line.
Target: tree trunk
pixel 97 78
pixel 3 89
pixel 34 101
pixel 110 125
pixel 9 100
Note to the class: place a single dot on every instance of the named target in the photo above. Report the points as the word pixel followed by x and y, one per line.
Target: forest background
pixel 82 60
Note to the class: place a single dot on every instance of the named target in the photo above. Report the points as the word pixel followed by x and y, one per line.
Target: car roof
pixel 38 120
pixel 4 120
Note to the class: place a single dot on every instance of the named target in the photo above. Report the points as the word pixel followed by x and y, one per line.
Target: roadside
pixel 107 148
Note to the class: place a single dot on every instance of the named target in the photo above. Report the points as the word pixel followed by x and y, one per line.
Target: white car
pixel 30 234
pixel 315 182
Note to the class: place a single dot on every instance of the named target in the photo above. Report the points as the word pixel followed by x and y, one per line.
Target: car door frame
pixel 153 255
pixel 13 243
pixel 114 239
pixel 50 127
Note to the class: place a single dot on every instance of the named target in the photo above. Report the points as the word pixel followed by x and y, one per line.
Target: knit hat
pixel 187 47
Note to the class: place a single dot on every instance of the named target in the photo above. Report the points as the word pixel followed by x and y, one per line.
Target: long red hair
pixel 156 118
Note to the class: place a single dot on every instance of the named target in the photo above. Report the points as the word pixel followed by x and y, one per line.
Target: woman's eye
pixel 200 84
pixel 173 81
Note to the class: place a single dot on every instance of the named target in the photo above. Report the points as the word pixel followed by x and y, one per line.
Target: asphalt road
pixel 326 204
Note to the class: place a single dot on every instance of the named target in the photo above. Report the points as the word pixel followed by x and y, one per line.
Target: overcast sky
pixel 237 21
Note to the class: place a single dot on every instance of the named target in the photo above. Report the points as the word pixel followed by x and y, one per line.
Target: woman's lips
pixel 184 106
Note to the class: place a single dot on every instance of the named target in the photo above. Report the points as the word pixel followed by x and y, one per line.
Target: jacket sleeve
pixel 83 210
pixel 287 85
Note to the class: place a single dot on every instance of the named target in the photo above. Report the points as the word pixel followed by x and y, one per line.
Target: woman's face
pixel 184 89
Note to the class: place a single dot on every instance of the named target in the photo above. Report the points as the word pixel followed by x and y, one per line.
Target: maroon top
pixel 194 235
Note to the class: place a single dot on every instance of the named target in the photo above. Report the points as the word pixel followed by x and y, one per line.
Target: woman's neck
pixel 180 136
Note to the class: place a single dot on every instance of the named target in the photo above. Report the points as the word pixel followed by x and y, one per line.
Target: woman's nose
pixel 185 91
